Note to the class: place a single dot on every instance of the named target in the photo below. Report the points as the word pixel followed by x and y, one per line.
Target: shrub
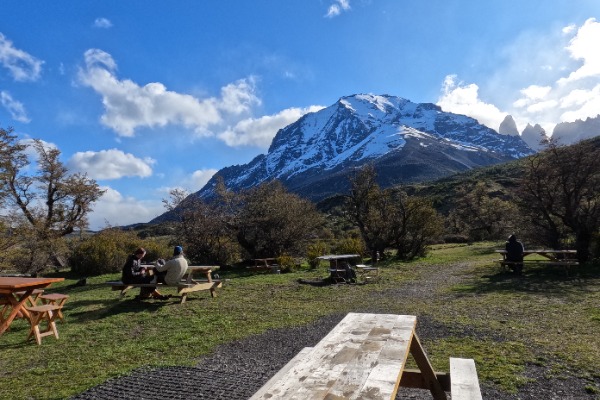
pixel 107 251
pixel 286 263
pixel 352 245
pixel 315 250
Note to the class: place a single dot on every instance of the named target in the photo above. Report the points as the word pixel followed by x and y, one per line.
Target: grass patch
pixel 540 317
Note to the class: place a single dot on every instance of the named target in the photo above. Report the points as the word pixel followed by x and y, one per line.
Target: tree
pixel 50 202
pixel 370 209
pixel 480 215
pixel 271 222
pixel 388 218
pixel 416 223
pixel 561 188
pixel 203 228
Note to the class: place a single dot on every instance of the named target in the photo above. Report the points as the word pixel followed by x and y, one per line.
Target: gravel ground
pixel 237 370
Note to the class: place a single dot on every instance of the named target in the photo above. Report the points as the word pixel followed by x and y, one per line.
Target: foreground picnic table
pixel 364 357
pixel 10 286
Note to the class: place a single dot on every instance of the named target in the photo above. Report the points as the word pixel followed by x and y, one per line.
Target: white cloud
pixel 21 65
pixel 129 106
pixel 102 23
pixel 14 107
pixel 115 209
pixel 199 178
pixel 530 91
pixel 337 8
pixel 580 104
pixel 110 164
pixel 584 47
pixel 464 99
pixel 261 131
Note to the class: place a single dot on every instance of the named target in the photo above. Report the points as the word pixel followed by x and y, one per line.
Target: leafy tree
pixel 480 215
pixel 203 228
pixel 416 223
pixel 51 201
pixel 386 218
pixel 370 208
pixel 270 221
pixel 561 188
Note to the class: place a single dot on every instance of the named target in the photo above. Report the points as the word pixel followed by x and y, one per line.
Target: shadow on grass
pixel 536 279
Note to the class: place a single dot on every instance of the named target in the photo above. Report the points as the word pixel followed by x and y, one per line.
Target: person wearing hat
pixel 171 272
pixel 514 253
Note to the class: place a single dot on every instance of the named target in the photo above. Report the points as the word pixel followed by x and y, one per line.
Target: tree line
pixel 553 202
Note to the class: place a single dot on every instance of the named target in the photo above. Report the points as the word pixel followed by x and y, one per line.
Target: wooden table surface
pixel 363 357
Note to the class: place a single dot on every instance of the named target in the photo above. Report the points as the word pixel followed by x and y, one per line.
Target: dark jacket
pixel 514 249
pixel 132 271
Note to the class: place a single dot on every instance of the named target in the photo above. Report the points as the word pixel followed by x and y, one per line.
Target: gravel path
pixel 237 370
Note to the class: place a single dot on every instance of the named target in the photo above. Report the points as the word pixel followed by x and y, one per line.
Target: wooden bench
pixel 182 289
pixel 367 273
pixel 464 383
pixel 363 357
pixel 566 264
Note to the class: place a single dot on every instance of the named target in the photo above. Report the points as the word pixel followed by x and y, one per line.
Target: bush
pixel 350 246
pixel 286 263
pixel 107 251
pixel 315 250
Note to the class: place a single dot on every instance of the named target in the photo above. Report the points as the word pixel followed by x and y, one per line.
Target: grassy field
pixel 544 318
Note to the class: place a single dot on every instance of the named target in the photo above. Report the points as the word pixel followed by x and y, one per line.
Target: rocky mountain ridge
pixel 406 142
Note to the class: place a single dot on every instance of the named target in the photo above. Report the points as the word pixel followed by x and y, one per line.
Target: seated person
pixel 134 272
pixel 514 253
pixel 171 272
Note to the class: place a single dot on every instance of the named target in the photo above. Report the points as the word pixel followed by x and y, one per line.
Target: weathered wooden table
pixel 363 357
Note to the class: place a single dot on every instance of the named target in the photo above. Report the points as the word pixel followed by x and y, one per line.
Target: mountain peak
pixel 405 141
pixel 508 127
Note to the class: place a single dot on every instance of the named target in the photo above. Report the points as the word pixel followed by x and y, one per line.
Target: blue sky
pixel 146 96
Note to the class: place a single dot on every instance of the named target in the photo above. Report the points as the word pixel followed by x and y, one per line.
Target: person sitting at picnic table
pixel 514 253
pixel 171 272
pixel 134 272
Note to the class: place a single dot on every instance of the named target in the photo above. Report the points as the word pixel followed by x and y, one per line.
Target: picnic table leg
pixel 17 305
pixel 427 371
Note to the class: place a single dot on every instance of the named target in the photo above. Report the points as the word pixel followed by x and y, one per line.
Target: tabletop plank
pixel 362 357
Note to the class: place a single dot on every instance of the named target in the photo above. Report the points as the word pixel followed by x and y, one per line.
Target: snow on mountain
pixel 405 141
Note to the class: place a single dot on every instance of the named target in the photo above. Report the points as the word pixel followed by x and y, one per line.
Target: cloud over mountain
pixel 110 164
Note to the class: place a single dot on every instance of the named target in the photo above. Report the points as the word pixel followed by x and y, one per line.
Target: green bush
pixel 315 250
pixel 107 251
pixel 286 263
pixel 353 245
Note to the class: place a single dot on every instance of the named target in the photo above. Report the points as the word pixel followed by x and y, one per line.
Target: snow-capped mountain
pixel 405 141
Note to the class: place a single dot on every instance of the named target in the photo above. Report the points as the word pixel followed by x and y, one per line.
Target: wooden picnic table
pixel 338 264
pixel 190 283
pixel 550 254
pixel 364 357
pixel 267 264
pixel 552 257
pixel 9 286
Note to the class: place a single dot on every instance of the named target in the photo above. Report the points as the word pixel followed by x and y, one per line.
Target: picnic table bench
pixel 186 286
pixel 364 357
pixel 265 264
pixel 552 258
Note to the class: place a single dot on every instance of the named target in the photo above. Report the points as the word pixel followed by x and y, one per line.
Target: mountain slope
pixel 406 141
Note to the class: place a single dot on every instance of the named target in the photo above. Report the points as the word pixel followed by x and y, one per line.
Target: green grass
pixel 543 318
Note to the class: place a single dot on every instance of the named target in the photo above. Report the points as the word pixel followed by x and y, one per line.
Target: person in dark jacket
pixel 134 272
pixel 514 253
